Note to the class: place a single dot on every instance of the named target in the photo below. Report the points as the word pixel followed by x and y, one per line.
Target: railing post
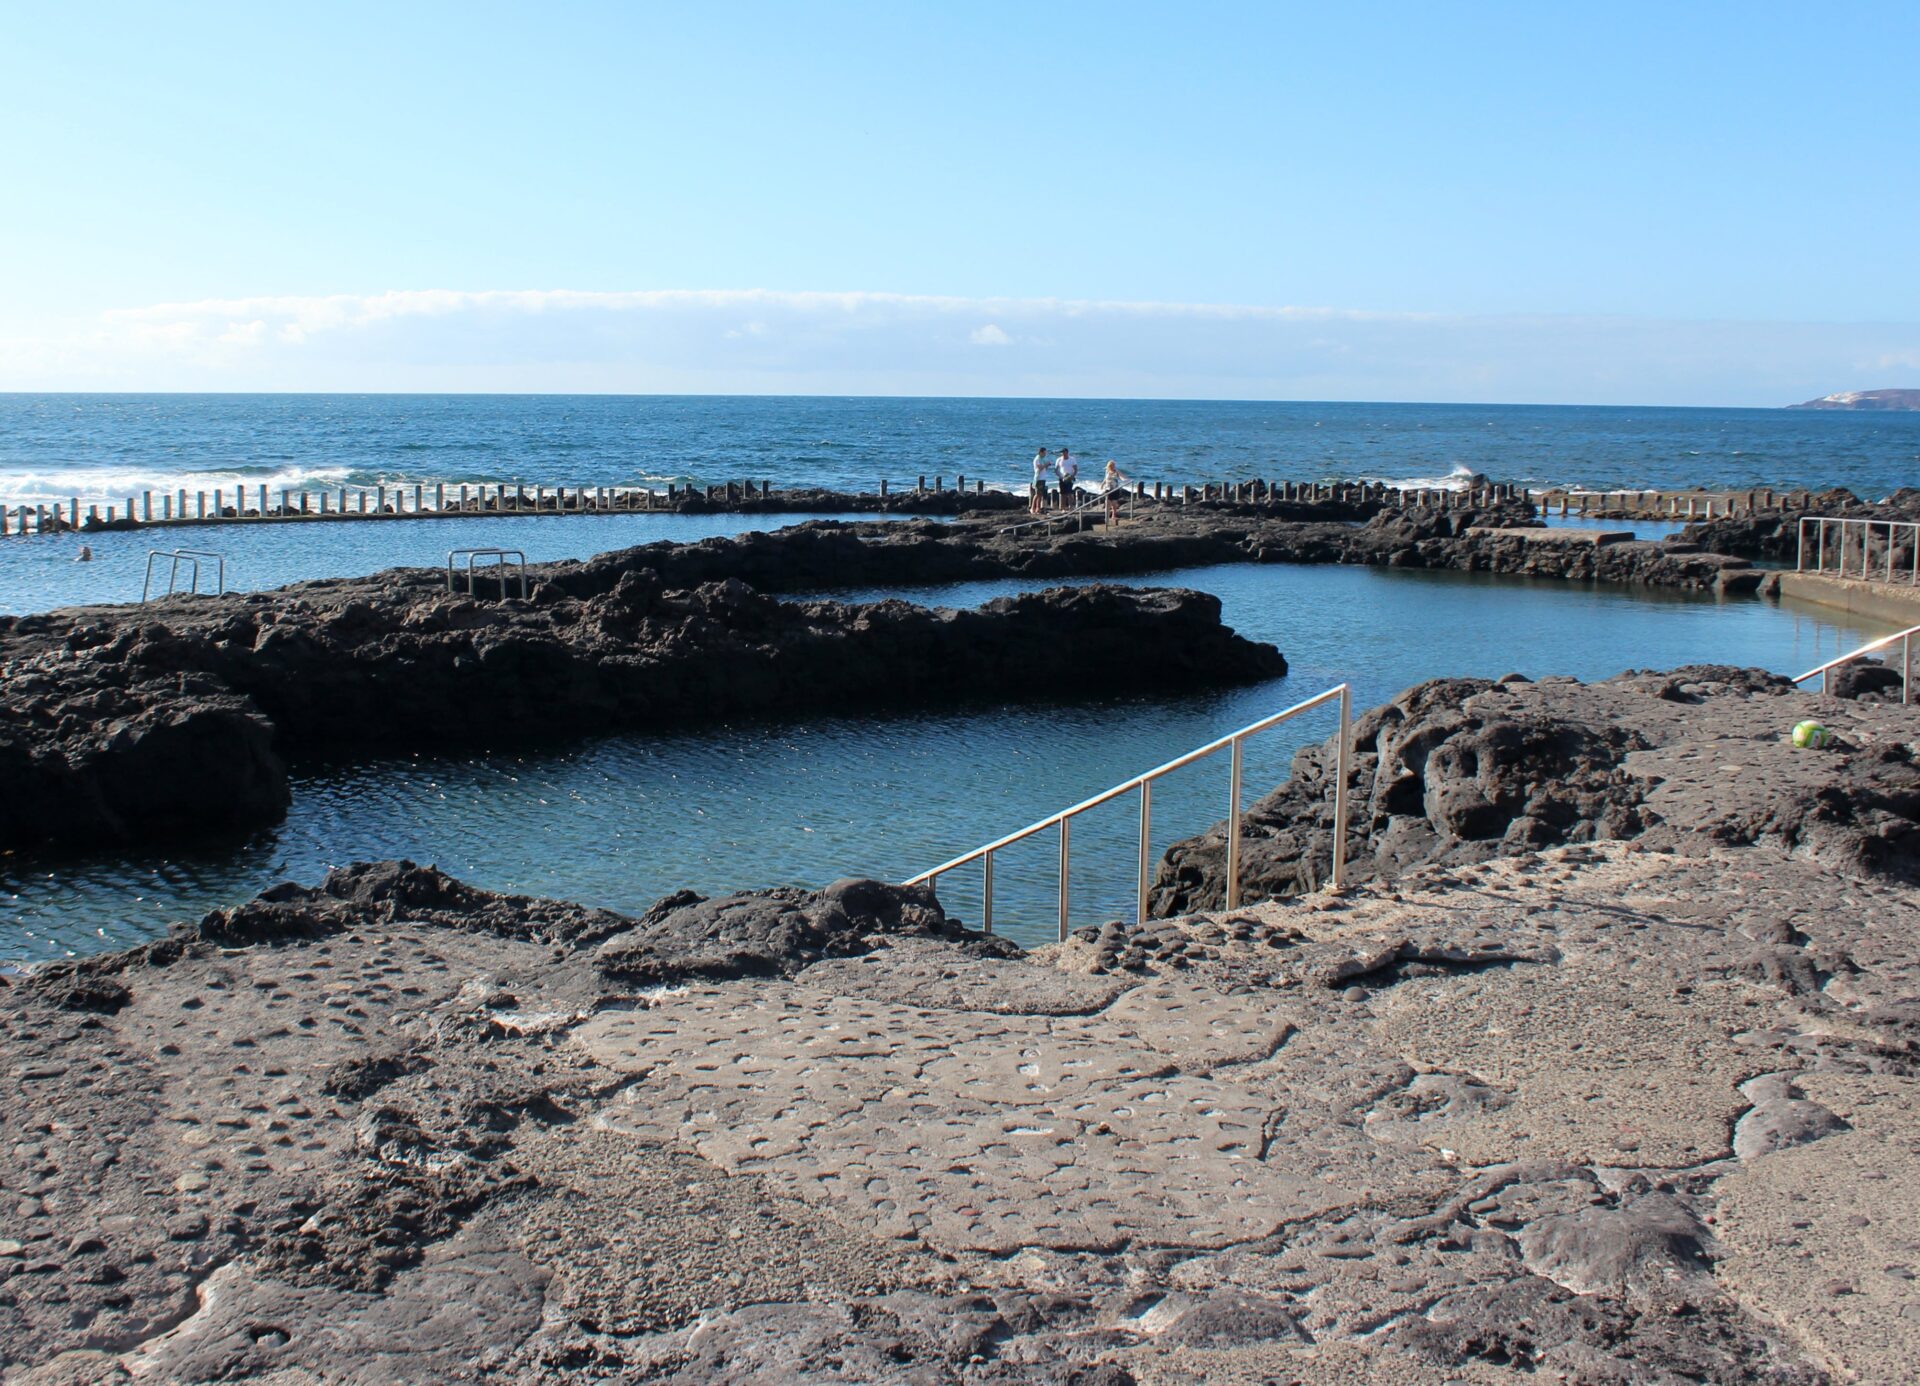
pixel 1820 550
pixel 1066 838
pixel 1233 828
pixel 986 896
pixel 1340 790
pixel 1146 849
pixel 1800 554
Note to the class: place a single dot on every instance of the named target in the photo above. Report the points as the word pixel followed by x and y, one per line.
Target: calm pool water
pixel 624 820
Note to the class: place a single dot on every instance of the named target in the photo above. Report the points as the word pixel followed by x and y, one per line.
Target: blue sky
pixel 1672 204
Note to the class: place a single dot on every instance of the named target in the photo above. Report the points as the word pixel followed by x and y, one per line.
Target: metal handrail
pixel 191 557
pixel 500 558
pixel 1866 544
pixel 1144 783
pixel 1905 637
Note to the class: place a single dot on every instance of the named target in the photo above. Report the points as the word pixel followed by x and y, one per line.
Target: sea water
pixel 103 448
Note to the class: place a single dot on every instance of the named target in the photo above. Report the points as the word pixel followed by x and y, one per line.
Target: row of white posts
pixel 184 507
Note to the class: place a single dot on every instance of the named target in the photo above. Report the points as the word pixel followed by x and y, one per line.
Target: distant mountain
pixel 1865 399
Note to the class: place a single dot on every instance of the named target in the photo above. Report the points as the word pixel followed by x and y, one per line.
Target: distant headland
pixel 1864 399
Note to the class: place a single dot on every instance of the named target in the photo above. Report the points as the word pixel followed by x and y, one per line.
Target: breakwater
pixel 926 494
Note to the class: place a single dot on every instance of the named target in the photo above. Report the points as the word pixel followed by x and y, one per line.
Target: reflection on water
pixel 624 820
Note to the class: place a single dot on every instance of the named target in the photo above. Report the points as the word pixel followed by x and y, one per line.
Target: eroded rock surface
pixel 1601 1113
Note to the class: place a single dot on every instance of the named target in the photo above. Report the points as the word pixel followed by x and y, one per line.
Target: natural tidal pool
pixel 623 820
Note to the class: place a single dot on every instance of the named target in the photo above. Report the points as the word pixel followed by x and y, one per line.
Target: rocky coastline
pixel 177 719
pixel 1460 771
pixel 1606 1072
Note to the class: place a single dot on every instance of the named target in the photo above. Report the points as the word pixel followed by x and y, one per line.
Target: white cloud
pixel 771 341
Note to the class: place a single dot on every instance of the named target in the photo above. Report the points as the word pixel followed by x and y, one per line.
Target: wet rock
pixel 1775 534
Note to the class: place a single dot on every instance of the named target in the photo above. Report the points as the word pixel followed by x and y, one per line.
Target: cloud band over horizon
pixel 750 341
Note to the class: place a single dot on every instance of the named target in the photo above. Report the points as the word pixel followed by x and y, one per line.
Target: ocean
pixel 105 447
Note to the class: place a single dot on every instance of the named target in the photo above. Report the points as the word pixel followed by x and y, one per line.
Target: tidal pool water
pixel 622 820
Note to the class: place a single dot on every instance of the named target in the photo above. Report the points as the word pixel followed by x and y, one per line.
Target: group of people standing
pixel 1061 470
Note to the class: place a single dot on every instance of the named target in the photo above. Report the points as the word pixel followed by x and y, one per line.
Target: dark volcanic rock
pixel 1460 770
pixel 172 720
pixel 92 750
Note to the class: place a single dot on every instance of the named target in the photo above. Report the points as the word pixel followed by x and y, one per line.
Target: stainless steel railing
pixel 1844 533
pixel 1063 820
pixel 1825 671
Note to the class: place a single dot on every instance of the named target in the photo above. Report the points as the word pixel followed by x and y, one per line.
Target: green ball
pixel 1811 736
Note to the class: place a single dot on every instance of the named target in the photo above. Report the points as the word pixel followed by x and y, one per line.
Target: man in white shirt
pixel 1067 470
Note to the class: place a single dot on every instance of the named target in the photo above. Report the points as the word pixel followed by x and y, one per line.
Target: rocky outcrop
pixel 777 932
pixel 124 724
pixel 1463 770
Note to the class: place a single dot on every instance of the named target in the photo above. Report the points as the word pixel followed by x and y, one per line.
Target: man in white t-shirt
pixel 1068 471
pixel 1037 493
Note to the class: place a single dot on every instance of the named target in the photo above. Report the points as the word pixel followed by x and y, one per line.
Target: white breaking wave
pixel 1455 480
pixel 104 485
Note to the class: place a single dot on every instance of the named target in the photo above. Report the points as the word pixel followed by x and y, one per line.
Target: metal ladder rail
pixel 1052 517
pixel 192 558
pixel 1144 783
pixel 501 558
